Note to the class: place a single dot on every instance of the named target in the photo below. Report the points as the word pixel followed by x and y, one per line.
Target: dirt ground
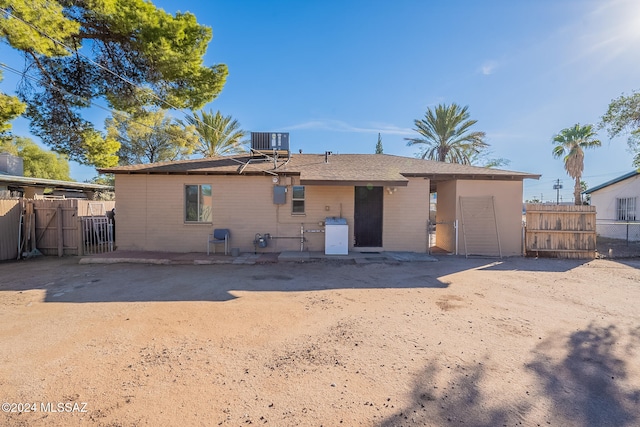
pixel 457 342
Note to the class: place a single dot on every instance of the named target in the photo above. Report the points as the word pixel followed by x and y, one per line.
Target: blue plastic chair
pixel 219 235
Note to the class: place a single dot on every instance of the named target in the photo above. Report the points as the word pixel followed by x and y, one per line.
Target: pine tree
pixel 379 145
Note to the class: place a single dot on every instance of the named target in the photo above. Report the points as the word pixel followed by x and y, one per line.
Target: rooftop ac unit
pixel 270 141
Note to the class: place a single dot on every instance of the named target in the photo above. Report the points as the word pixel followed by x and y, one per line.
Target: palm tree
pixel 218 135
pixel 446 136
pixel 570 145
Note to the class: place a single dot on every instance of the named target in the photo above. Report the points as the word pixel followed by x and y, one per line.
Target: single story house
pixel 616 203
pixel 13 183
pixel 287 198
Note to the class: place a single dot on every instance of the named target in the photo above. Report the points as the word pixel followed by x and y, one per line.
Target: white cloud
pixel 488 67
pixel 340 126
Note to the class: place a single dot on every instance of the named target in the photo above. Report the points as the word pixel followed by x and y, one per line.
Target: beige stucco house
pixel 617 207
pixel 173 206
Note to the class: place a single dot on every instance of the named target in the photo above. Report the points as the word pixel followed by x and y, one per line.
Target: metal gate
pixel 480 226
pixel 97 234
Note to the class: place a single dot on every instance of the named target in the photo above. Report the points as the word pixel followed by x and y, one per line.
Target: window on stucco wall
pixel 297 200
pixel 198 203
pixel 626 209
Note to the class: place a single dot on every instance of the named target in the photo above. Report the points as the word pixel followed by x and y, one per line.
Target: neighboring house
pixel 14 184
pixel 173 206
pixel 616 202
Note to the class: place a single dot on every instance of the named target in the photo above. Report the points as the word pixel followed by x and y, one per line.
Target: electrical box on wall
pixel 279 194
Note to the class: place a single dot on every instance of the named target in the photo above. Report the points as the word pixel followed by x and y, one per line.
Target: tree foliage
pixel 104 179
pixel 570 144
pixel 10 108
pixel 218 135
pixel 446 135
pixel 127 52
pixel 484 159
pixel 379 145
pixel 37 163
pixel 623 117
pixel 148 137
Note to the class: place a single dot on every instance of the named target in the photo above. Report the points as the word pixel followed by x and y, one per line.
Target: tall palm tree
pixel 218 135
pixel 446 135
pixel 570 143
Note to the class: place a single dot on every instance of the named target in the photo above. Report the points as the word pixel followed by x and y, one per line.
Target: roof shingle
pixel 312 168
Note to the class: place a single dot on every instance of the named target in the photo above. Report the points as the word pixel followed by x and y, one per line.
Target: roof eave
pixel 611 182
pixel 354 183
pixel 489 177
pixel 51 183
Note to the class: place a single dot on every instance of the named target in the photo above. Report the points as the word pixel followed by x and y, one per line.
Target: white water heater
pixel 336 236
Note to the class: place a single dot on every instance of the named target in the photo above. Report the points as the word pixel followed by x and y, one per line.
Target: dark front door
pixel 367 226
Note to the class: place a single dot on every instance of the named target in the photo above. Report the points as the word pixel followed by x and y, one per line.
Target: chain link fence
pixel 618 239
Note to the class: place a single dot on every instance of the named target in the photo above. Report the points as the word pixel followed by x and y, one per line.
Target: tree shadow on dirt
pixel 588 386
pixel 460 402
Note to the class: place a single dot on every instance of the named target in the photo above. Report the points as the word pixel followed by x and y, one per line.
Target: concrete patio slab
pixel 196 258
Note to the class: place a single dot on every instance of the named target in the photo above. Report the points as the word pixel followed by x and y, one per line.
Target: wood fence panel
pixel 10 210
pixel 560 231
pixel 57 229
pixel 86 206
pixel 48 224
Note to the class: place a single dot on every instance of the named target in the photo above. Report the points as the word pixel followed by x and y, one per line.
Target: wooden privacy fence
pixel 53 227
pixel 10 210
pixel 560 231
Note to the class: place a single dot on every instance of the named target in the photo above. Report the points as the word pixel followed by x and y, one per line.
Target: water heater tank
pixel 336 236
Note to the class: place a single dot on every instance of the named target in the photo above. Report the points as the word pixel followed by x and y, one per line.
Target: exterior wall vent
pixel 270 141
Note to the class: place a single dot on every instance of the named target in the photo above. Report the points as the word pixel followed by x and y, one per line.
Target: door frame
pixel 374 228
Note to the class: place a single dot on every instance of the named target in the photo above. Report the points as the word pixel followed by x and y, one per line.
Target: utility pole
pixel 557 186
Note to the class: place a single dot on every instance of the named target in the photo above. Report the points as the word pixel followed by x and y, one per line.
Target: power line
pixel 113 112
pixel 65 92
pixel 74 51
pixel 91 61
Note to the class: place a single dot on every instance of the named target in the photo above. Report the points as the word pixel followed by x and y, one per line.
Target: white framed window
pixel 297 200
pixel 197 203
pixel 626 209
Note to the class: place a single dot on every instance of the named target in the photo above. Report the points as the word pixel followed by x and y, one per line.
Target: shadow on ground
pixel 461 401
pixel 589 386
pixel 63 280
pixel 533 264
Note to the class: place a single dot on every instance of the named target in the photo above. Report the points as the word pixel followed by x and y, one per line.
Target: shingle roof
pixel 340 168
pixel 613 181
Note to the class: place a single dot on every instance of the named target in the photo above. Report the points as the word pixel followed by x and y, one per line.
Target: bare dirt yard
pixel 457 342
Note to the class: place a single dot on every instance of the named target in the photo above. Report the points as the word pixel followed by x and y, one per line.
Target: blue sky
pixel 336 73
